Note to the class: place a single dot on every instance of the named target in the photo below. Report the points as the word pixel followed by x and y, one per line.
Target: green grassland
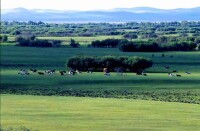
pixel 156 86
pixel 71 113
pixel 13 56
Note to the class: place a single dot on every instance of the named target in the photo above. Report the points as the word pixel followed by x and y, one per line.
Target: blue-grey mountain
pixel 114 15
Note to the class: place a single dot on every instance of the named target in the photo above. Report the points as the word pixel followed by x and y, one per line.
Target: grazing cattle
pixel 63 72
pixel 72 72
pixel 171 74
pixel 23 72
pixel 178 75
pixel 50 71
pixel 41 73
pixel 33 70
pixel 174 71
pixel 187 72
pixel 144 74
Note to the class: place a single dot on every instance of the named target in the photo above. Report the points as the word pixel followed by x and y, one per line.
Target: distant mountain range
pixel 115 15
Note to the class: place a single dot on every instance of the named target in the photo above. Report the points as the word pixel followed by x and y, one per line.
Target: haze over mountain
pixel 114 15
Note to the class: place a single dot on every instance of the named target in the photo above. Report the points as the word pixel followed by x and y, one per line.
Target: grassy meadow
pixel 72 113
pixel 55 102
pixel 156 86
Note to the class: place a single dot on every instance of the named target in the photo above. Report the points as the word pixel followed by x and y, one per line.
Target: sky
pixel 97 4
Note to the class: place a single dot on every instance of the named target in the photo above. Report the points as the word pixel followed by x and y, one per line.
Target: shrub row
pixel 151 46
pixel 160 44
pixel 159 95
pixel 33 42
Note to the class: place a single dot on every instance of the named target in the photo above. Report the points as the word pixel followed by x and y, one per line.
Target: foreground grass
pixel 71 113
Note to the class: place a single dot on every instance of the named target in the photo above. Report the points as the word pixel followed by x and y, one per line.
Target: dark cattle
pixel 187 72
pixel 63 72
pixel 40 73
pixel 33 70
pixel 167 67
pixel 138 73
pixel 174 71
pixel 53 71
pixel 178 75
pixel 144 74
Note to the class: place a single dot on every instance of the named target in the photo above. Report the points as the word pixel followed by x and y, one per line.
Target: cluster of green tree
pixel 33 42
pixel 107 43
pixel 130 35
pixel 129 30
pixel 162 43
pixel 112 63
pixel 138 46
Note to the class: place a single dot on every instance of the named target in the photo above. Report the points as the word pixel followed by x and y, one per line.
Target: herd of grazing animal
pixel 119 71
pixel 48 72
pixel 172 74
pixel 105 70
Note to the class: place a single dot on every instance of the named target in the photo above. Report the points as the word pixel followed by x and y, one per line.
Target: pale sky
pixel 97 4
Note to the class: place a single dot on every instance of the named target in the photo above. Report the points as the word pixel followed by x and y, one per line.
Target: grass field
pixel 71 113
pixel 53 111
pixel 156 86
pixel 13 56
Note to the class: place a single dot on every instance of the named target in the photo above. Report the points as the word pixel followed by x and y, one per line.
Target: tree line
pixel 33 42
pixel 112 63
pixel 151 45
pixel 130 30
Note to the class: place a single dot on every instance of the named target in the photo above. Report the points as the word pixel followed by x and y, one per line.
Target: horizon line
pixel 99 9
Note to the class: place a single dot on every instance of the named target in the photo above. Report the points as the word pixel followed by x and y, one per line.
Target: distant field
pixel 81 40
pixel 71 113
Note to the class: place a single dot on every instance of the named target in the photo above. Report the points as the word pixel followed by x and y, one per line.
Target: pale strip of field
pixel 82 39
pixel 71 113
